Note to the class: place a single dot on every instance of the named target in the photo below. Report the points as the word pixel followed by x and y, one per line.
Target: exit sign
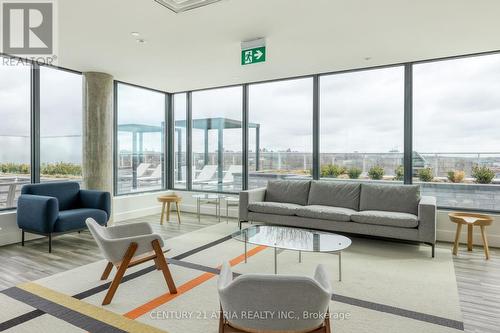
pixel 254 55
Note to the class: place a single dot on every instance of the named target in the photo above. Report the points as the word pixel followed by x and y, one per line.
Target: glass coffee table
pixel 295 239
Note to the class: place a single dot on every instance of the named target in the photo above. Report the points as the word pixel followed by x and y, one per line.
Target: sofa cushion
pixel 390 198
pixel 74 219
pixel 67 193
pixel 326 213
pixel 278 208
pixel 392 219
pixel 288 191
pixel 336 194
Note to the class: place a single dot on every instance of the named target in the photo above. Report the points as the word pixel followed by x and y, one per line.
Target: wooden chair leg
pixel 160 258
pixel 470 241
pixel 157 264
pixel 107 270
pixel 162 212
pixel 178 212
pixel 119 274
pixel 327 322
pixel 457 238
pixel 485 242
pixel 168 211
pixel 221 321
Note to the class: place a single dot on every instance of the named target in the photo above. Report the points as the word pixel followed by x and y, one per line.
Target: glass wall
pixel 60 125
pixel 180 137
pixel 456 111
pixel 140 139
pixel 14 130
pixel 280 131
pixel 361 125
pixel 217 139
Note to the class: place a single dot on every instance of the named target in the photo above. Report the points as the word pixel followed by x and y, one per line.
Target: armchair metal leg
pixel 119 274
pixel 22 237
pixel 160 260
pixel 50 243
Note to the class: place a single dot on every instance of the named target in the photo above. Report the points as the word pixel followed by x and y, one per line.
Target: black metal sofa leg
pixel 22 237
pixel 50 243
pixel 433 250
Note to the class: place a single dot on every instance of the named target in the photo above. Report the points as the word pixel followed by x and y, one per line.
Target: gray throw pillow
pixel 391 198
pixel 290 191
pixel 336 194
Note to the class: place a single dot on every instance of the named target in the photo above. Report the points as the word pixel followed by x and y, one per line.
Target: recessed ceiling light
pixel 141 41
pixel 179 6
pixel 135 34
pixel 368 58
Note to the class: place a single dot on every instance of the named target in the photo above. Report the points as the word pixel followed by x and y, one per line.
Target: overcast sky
pixel 456 109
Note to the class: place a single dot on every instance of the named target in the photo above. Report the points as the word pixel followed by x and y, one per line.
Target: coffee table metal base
pixel 339 253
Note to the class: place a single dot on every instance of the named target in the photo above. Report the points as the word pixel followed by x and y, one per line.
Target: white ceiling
pixel 201 48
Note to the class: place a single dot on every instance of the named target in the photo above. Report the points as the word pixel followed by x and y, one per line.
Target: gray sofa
pixel 382 210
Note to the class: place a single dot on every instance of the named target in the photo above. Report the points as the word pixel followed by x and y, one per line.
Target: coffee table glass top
pixel 292 238
pixel 208 196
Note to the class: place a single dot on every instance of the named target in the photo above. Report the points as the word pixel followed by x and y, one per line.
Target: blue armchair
pixel 60 207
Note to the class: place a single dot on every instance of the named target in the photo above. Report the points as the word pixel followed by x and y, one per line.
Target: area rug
pixel 386 287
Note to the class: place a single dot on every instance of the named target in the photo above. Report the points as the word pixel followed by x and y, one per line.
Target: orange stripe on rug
pixel 167 297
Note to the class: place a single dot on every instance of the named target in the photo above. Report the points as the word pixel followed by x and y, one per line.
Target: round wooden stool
pixel 471 220
pixel 167 200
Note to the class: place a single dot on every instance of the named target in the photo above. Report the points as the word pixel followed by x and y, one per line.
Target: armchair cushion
pixel 74 219
pixel 96 200
pixel 67 193
pixel 37 213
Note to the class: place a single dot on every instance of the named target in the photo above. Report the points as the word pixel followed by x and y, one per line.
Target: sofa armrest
pixel 427 209
pixel 97 200
pixel 37 213
pixel 249 196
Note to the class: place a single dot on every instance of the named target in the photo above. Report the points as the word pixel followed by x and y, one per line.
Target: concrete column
pixel 98 131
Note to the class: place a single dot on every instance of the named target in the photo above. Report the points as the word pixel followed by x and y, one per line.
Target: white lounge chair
pixel 155 175
pixel 142 168
pixel 128 245
pixel 204 176
pixel 274 294
pixel 228 175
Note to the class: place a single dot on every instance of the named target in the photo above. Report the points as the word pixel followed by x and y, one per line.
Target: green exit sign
pixel 252 56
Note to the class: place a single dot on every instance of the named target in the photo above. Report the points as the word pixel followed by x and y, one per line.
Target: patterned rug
pixel 386 287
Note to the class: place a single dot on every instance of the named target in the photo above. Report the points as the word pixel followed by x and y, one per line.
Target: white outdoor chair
pixel 129 245
pixel 278 294
pixel 228 178
pixel 141 170
pixel 155 175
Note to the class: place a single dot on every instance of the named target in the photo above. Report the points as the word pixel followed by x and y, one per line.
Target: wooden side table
pixel 167 200
pixel 471 220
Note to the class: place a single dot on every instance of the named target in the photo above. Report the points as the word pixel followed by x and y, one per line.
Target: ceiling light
pixel 179 6
pixel 141 41
pixel 135 34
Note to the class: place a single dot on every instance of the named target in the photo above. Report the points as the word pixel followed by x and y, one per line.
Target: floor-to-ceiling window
pixel 141 127
pixel 217 139
pixel 14 130
pixel 456 111
pixel 60 125
pixel 280 130
pixel 180 137
pixel 362 125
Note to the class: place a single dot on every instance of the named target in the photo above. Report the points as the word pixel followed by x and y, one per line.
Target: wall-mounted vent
pixel 179 6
